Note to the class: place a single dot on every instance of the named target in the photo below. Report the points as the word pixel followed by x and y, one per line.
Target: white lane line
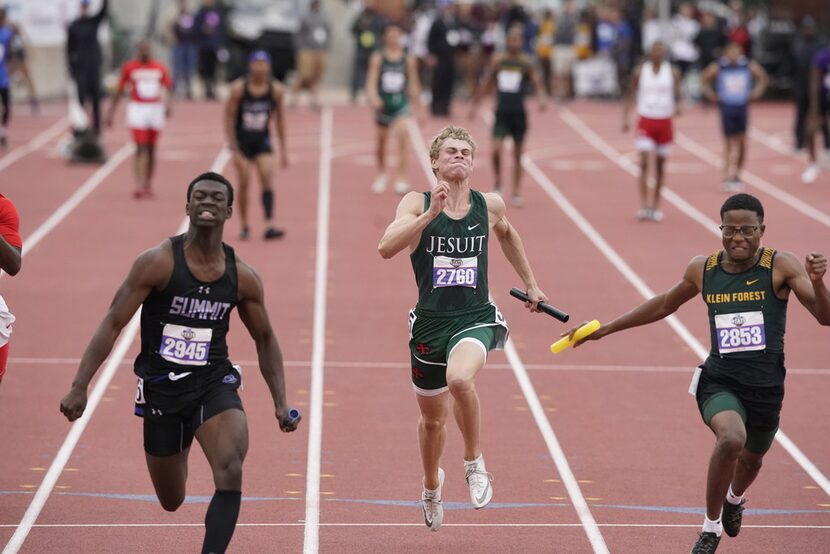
pixel 29 242
pixel 751 179
pixel 772 142
pixel 311 535
pixel 35 143
pixel 633 169
pixel 563 467
pixel 554 448
pixel 77 197
pixel 632 277
pixel 72 438
pixel 418 525
pixel 418 141
pixel 71 441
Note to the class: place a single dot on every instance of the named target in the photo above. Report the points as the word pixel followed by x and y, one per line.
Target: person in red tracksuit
pixel 11 248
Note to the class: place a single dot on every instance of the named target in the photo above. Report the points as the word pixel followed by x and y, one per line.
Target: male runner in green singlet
pixel 509 76
pixel 392 86
pixel 454 325
pixel 740 387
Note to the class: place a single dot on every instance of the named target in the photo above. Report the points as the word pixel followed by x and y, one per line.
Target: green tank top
pixel 746 319
pixel 511 84
pixel 392 84
pixel 450 262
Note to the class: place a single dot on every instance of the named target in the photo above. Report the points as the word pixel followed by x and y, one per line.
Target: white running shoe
pixel 643 214
pixel 432 506
pixel 517 201
pixel 656 215
pixel 481 492
pixel 401 187
pixel 379 185
pixel 810 174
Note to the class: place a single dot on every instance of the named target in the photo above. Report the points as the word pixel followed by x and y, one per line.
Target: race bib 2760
pixel 454 272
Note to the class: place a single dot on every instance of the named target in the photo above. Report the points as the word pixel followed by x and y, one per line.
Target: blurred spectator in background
pixel 737 29
pixel 684 31
pixel 467 48
pixel 585 34
pixel 804 47
pixel 516 15
pixel 210 34
pixel 182 33
pixel 313 41
pixel 564 52
pixel 652 30
pixel 7 32
pixel 614 36
pixel 421 23
pixel 366 30
pixel 819 110
pixel 441 42
pixel 544 48
pixel 489 36
pixel 18 66
pixel 710 39
pixel 83 54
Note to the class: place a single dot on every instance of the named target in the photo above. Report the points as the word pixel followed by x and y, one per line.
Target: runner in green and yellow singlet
pixel 510 74
pixel 454 325
pixel 740 386
pixel 392 85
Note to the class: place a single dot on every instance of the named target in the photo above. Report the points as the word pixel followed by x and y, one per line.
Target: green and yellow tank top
pixel 512 83
pixel 450 262
pixel 746 319
pixel 392 84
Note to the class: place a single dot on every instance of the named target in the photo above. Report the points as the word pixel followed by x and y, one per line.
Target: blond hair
pixel 459 133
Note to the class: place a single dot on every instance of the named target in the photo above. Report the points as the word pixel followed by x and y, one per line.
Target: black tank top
pixel 183 327
pixel 254 113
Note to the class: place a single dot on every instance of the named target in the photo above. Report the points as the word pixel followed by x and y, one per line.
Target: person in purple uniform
pixel 819 109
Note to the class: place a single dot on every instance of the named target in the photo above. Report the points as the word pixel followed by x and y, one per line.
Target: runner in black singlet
pixel 254 100
pixel 187 287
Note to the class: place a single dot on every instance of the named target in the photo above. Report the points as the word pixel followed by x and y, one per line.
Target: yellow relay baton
pixel 580 334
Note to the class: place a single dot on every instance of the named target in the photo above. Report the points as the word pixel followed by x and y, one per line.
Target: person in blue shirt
pixel 732 82
pixel 7 33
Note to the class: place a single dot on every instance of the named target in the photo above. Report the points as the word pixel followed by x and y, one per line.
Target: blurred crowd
pixel 587 49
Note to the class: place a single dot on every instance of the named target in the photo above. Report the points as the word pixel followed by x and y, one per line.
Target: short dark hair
pixel 215 177
pixel 743 201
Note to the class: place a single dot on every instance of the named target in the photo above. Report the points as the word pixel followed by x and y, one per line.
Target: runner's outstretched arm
pixel 152 269
pixel 657 307
pixel 255 317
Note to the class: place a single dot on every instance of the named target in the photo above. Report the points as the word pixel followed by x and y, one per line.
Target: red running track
pixel 630 433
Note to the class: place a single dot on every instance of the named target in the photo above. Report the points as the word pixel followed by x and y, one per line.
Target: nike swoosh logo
pixel 483 495
pixel 473 227
pixel 751 282
pixel 176 376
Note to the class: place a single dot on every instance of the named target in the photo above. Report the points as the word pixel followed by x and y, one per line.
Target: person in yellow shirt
pixel 544 48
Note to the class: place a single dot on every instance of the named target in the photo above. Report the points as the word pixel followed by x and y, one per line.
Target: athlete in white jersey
pixel 657 86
